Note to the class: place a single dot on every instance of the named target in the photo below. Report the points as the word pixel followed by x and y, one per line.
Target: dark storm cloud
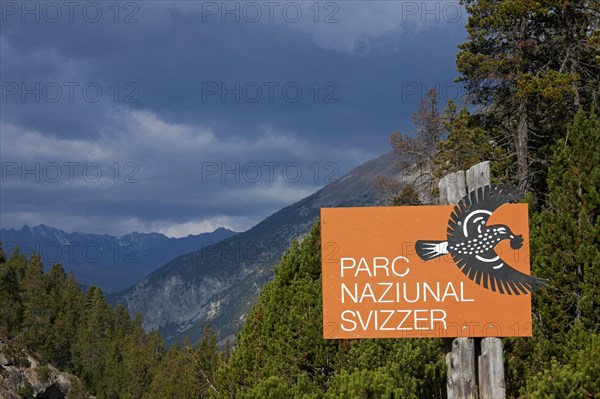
pixel 178 91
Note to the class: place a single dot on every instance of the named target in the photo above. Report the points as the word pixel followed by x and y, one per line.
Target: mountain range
pixel 109 262
pixel 219 283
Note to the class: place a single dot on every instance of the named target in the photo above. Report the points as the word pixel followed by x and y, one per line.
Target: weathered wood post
pixel 474 367
pixel 491 369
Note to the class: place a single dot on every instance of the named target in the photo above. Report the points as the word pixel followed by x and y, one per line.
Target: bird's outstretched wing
pixel 473 211
pixel 491 272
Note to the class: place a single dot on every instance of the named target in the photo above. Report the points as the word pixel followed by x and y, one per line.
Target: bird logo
pixel 471 242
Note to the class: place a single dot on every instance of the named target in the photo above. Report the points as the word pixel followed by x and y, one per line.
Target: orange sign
pixel 426 271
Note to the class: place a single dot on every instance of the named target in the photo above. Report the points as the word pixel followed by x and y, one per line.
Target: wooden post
pixel 455 187
pixel 474 367
pixel 490 359
pixel 491 369
pixel 478 175
pixel 461 381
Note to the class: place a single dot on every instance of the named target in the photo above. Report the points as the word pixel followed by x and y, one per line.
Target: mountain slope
pixel 109 262
pixel 220 283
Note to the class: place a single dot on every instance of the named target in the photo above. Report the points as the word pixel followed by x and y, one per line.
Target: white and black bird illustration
pixel 471 242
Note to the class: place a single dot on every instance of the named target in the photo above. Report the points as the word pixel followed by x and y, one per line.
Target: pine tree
pixel 206 356
pixel 467 144
pixel 565 249
pixel 139 358
pixel 36 307
pixel 11 309
pixel 55 281
pixel 175 377
pixel 566 234
pixel 91 339
pixel 529 66
pixel 18 260
pixel 65 327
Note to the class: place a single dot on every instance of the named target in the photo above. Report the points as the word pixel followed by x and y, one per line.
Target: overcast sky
pixel 180 117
